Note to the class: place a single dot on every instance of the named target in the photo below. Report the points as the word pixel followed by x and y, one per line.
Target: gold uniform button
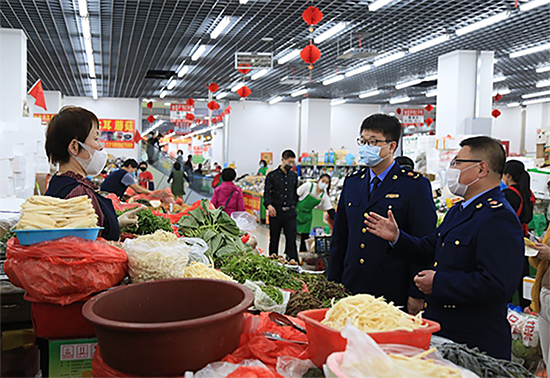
pixel 479 205
pixel 363 176
pixel 438 234
pixel 457 242
pixel 362 246
pixel 390 206
pixel 435 264
pixel 425 305
pixel 443 244
pixel 366 215
pixel 349 204
pixel 364 230
pixel 394 177
pixel 361 261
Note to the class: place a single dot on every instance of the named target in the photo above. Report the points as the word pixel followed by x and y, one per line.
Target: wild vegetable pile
pixel 148 223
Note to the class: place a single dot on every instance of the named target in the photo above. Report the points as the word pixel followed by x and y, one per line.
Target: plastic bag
pixel 245 221
pixel 263 302
pixel 293 367
pixel 525 338
pixel 365 358
pixel 64 271
pixel 246 368
pixel 197 250
pixel 164 195
pixel 156 260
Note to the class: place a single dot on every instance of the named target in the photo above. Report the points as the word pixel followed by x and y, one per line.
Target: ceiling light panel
pixel 259 74
pixel 533 4
pixel 338 101
pixel 531 50
pixel 399 100
pixel 288 57
pixel 275 100
pixel 357 71
pixel 370 94
pixel 542 84
pixel 537 94
pixel 330 32
pixel 237 86
pixel 224 23
pixel 428 44
pixel 537 101
pixel 333 79
pixel 377 4
pixel 431 94
pixel 389 58
pixel 298 93
pixel 483 23
pixel 408 84
pixel 198 53
pixel 543 69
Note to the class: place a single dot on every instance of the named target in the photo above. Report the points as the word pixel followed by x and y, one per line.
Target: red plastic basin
pixel 165 328
pixel 323 340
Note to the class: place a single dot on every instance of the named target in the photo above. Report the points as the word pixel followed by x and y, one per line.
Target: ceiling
pixel 130 37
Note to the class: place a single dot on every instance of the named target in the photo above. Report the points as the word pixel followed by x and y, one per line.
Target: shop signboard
pixel 252 204
pixel 71 358
pixel 44 118
pixel 413 117
pixel 253 60
pixel 117 133
pixel 182 126
pixel 267 156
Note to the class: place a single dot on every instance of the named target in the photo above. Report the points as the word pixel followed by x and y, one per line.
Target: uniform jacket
pixel 477 253
pixel 359 259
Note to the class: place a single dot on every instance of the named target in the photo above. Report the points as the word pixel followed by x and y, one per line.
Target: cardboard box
pixel 71 358
pixel 528 283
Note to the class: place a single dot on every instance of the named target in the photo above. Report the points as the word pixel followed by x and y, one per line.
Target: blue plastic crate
pixel 29 237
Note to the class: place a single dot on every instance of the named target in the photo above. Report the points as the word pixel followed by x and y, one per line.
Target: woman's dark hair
pixel 143 163
pixel 516 169
pixel 263 162
pixel 177 166
pixel 180 152
pixel 329 180
pixel 228 174
pixel 405 162
pixel 70 123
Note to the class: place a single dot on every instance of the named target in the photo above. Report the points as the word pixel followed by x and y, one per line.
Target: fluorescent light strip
pixel 431 94
pixel 167 104
pixel 330 32
pixel 531 50
pixel 483 23
pixel 259 74
pixel 408 84
pixel 498 79
pixel 358 70
pixel 542 84
pixel 94 89
pixel 220 27
pixel 163 93
pixel 288 57
pixel 533 4
pixel 430 78
pixel 198 52
pixel 502 92
pixel 183 70
pixel 513 104
pixel 299 92
pixel 378 4
pixel 542 69
pixel 333 79
pixel 537 101
pixel 275 100
pixel 537 94
pixel 428 44
pixel 337 102
pixel 399 100
pixel 219 96
pixel 389 58
pixel 373 93
pixel 83 8
pixel 237 86
pixel 171 84
pixel 243 1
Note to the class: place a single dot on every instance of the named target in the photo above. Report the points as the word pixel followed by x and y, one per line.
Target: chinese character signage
pixel 117 133
pixel 182 126
pixel 267 156
pixel 44 118
pixel 413 117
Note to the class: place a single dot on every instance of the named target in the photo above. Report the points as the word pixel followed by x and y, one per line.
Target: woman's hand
pixel 544 251
pixel 129 218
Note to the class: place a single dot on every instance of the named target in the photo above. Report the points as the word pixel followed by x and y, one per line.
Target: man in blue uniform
pixel 359 259
pixel 476 254
pixel 118 181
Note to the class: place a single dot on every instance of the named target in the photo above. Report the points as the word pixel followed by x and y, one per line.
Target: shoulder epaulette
pixel 410 174
pixel 494 204
pixel 357 172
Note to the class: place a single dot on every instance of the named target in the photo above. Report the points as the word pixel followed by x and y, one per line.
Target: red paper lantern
pixel 229 108
pixel 398 110
pixel 151 119
pixel 429 121
pixel 190 116
pixel 213 87
pixel 220 118
pixel 310 54
pixel 213 105
pixel 496 113
pixel 170 131
pixel 150 105
pixel 244 91
pixel 429 108
pixel 312 15
pixel 243 69
pixel 190 102
pixel 214 121
pixel 498 97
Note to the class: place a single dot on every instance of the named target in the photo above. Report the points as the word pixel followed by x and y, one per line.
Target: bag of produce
pixel 268 298
pixel 64 271
pixel 156 257
pixel 245 221
pixel 525 338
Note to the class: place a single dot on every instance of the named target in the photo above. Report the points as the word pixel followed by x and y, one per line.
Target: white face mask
pixel 453 177
pixel 95 163
pixel 322 185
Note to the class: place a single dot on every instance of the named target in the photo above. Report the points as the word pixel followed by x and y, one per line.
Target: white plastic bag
pixel 263 302
pixel 156 260
pixel 245 221
pixel 197 250
pixel 293 367
pixel 223 369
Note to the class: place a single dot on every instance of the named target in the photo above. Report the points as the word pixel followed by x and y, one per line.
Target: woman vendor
pixel 72 142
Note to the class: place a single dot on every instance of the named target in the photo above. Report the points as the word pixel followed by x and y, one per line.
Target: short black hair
pixel 228 174
pixel 405 162
pixel 263 162
pixel 489 150
pixel 180 152
pixel 130 163
pixel 287 154
pixel 177 166
pixel 386 124
pixel 70 123
pixel 143 163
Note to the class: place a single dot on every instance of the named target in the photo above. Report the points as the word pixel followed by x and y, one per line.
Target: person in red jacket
pixel 228 194
pixel 145 177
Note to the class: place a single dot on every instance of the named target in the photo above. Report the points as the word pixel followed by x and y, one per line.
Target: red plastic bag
pixel 66 270
pixel 119 206
pixel 253 372
pixel 164 195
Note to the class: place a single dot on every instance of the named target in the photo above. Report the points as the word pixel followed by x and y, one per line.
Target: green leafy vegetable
pixel 274 294
pixel 148 223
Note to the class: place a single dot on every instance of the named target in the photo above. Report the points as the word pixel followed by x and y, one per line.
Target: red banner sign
pixel 45 118
pixel 413 117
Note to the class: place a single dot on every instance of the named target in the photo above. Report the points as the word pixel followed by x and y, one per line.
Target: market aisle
pixel 262 234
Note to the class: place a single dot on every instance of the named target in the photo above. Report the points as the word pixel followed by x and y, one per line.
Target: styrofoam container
pixel 28 237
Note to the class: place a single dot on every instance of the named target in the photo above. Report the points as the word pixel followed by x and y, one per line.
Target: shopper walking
pixel 177 179
pixel 153 147
pixel 358 259
pixel 476 254
pixel 72 142
pixel 228 194
pixel 179 158
pixel 311 196
pixel 541 294
pixel 280 199
pixel 118 181
pixel 145 177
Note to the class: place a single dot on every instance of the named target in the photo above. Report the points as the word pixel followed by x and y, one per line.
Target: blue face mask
pixel 370 155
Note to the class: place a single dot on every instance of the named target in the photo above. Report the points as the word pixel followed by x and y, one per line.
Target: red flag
pixel 37 92
pixel 137 137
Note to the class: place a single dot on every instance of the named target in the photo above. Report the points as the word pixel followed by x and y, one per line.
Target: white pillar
pixel 464 92
pixel 315 125
pixel 13 74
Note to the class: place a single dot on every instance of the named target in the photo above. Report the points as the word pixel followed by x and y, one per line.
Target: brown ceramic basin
pixel 164 328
